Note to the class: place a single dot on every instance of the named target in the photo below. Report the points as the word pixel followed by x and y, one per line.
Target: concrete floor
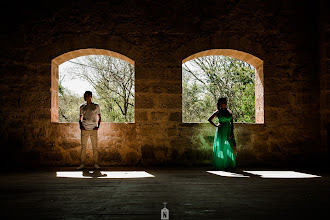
pixel 190 193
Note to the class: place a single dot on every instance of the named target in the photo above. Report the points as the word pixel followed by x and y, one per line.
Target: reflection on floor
pixel 281 174
pixel 103 174
pixel 190 193
pixel 266 174
pixel 144 174
pixel 226 174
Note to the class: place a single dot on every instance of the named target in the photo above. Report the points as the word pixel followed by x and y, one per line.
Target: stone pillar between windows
pixel 259 94
pixel 54 92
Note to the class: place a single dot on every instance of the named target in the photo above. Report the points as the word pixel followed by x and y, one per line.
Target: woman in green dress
pixel 224 147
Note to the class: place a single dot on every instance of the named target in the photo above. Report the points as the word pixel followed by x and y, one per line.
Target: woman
pixel 224 147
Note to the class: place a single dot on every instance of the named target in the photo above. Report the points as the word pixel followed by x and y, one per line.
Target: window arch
pixel 56 62
pixel 256 62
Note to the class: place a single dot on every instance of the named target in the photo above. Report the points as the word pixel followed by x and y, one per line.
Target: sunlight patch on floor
pixel 71 174
pixel 226 174
pixel 103 174
pixel 281 174
pixel 126 174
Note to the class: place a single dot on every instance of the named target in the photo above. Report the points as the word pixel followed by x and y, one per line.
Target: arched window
pixel 109 75
pixel 216 73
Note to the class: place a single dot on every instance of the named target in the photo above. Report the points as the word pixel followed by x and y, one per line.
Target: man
pixel 89 121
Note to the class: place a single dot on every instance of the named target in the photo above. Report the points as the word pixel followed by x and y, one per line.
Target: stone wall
pixel 324 54
pixel 157 36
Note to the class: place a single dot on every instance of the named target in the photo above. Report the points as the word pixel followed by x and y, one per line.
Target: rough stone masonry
pixel 290 37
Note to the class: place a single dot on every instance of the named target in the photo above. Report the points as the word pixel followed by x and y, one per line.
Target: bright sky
pixel 77 86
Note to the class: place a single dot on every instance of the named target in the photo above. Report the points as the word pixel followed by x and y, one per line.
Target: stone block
pixel 145 73
pixel 172 74
pixel 162 154
pixel 277 100
pixel 68 144
pixel 169 101
pixel 31 155
pixel 181 143
pixel 132 158
pixel 175 117
pixel 52 156
pixel 159 116
pixel 172 131
pixel 110 156
pixel 74 155
pixel 144 101
pixel 142 86
pixel 167 87
pixel 148 153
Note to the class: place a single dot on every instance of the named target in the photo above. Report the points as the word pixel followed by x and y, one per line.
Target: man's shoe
pixel 82 166
pixel 96 166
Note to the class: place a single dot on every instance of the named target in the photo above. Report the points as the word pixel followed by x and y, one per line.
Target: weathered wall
pixel 158 35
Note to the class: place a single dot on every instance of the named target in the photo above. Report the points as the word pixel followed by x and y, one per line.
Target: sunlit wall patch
pixel 226 174
pixel 104 174
pixel 282 174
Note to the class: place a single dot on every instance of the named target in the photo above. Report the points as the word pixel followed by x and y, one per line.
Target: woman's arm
pixel 211 118
pixel 232 128
pixel 232 135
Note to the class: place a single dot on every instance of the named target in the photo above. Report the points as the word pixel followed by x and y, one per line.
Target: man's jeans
pixel 85 134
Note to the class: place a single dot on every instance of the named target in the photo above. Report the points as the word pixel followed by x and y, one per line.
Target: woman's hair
pixel 220 100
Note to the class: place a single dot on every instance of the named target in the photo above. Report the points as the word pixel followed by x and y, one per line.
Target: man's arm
pixel 98 123
pixel 80 123
pixel 99 115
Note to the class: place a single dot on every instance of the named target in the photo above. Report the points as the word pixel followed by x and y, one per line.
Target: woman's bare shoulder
pixel 214 114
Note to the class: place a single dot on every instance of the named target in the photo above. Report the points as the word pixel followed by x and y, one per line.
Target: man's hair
pixel 89 93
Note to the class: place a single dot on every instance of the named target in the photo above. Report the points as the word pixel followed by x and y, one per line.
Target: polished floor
pixel 139 193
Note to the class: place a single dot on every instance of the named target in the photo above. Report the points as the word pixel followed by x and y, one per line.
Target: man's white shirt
pixel 89 113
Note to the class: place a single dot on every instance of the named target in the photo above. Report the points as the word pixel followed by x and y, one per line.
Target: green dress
pixel 224 155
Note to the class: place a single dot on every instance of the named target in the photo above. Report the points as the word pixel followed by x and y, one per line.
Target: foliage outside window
pixel 205 79
pixel 111 81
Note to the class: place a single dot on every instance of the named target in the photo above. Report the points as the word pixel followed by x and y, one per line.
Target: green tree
pixel 68 103
pixel 205 79
pixel 113 80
